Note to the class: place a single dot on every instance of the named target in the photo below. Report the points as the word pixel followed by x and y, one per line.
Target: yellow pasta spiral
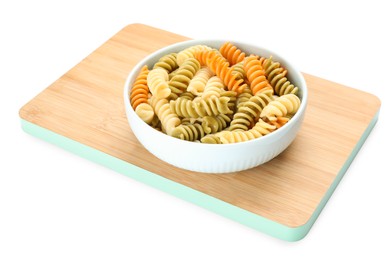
pixel 260 129
pixel 179 82
pixel 158 83
pixel 199 81
pixel 276 75
pixel 167 62
pixel 200 108
pixel 213 88
pixel 248 113
pixel 145 112
pixel 280 107
pixel 169 120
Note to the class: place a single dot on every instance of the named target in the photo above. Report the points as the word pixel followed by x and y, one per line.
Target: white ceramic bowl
pixel 216 158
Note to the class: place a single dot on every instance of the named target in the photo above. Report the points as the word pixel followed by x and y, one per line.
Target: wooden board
pixel 86 105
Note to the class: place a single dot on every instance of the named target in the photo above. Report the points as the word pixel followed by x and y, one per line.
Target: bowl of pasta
pixel 215 106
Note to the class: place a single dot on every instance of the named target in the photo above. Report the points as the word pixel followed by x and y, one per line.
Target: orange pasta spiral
pixel 232 53
pixel 256 75
pixel 140 90
pixel 220 66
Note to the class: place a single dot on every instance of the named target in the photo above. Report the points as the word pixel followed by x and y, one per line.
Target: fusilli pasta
pixel 231 53
pixel 200 108
pixel 199 81
pixel 247 114
pixel 221 68
pixel 179 82
pixel 280 107
pixel 276 75
pixel 167 62
pixel 140 90
pixel 158 83
pixel 169 120
pixel 256 75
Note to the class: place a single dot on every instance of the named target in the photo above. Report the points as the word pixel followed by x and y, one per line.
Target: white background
pixel 55 205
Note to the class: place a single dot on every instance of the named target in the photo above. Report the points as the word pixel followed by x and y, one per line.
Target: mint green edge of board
pixel 201 199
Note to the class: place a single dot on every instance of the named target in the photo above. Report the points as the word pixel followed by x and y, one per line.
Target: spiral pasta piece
pixel 276 75
pixel 256 75
pixel 145 112
pixel 213 88
pixel 190 53
pixel 213 124
pixel 200 108
pixel 281 107
pixel 243 97
pixel 189 132
pixel 167 62
pixel 179 83
pixel 221 68
pixel 232 99
pixel 238 69
pixel 140 90
pixel 249 112
pixel 211 139
pixel 231 53
pixel 157 80
pixel 169 120
pixel 260 129
pixel 199 81
pixel 204 55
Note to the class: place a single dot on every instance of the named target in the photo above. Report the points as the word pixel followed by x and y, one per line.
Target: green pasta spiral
pixel 247 114
pixel 188 132
pixel 276 76
pixel 232 95
pixel 167 62
pixel 244 96
pixel 213 124
pixel 179 82
pixel 211 139
pixel 238 70
pixel 200 108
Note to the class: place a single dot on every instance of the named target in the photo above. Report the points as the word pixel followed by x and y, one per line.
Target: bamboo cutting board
pixel 83 111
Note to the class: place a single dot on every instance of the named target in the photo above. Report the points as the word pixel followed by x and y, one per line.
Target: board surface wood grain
pixel 86 105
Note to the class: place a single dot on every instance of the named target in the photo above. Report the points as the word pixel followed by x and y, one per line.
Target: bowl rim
pixel 187 43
